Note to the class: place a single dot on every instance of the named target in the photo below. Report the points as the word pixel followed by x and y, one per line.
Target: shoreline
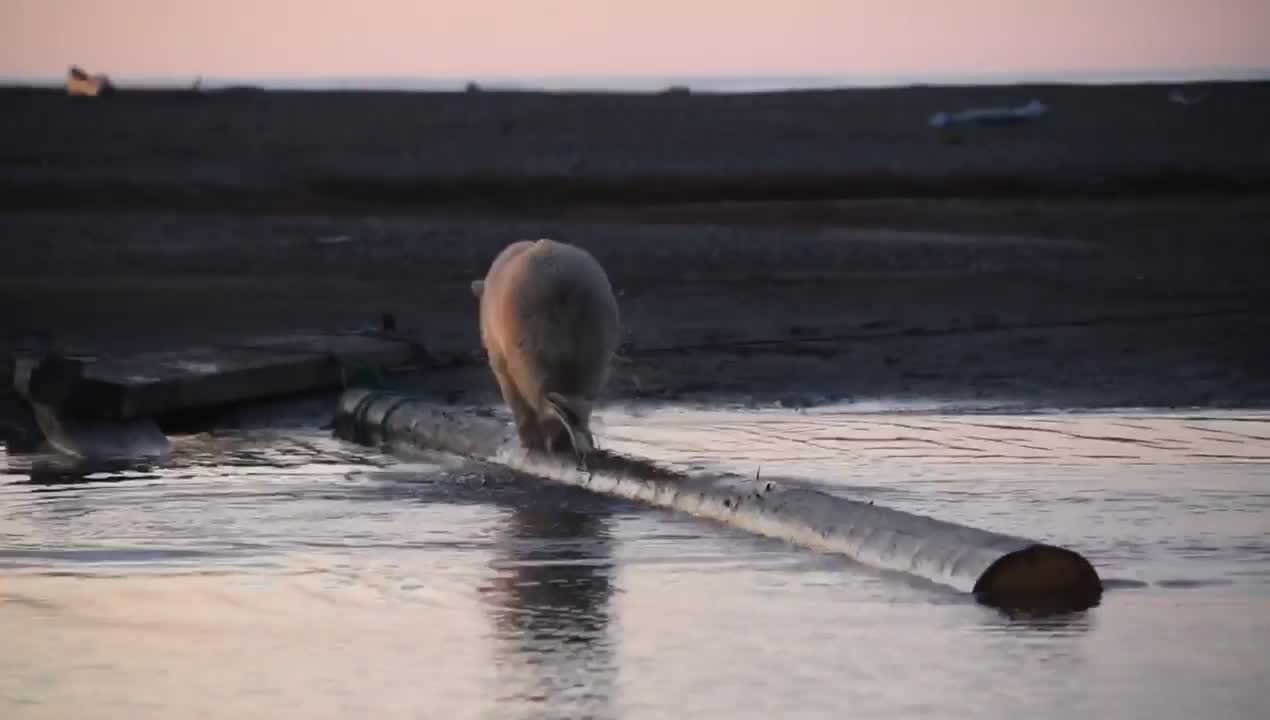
pixel 754 84
pixel 1035 302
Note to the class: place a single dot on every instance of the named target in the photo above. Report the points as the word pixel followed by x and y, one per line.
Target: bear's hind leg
pixel 523 415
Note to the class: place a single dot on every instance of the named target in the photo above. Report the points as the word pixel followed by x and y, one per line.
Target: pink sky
pixel 473 38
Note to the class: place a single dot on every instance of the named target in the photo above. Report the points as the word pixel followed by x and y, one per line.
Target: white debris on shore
pixel 990 116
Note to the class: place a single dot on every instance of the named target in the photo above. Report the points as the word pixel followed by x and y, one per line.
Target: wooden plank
pixel 149 384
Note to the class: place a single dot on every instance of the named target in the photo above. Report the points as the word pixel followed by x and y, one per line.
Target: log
pixel 1000 570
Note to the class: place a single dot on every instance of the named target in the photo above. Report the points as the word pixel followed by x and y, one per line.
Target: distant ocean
pixel 653 83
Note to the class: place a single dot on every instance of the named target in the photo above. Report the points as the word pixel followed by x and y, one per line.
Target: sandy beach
pixel 788 247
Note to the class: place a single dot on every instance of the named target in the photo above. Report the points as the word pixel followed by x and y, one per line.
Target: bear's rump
pixel 549 311
pixel 562 348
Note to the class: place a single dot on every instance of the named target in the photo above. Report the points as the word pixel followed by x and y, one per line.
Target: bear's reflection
pixel 549 603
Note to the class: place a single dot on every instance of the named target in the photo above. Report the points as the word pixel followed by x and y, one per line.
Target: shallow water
pixel 287 574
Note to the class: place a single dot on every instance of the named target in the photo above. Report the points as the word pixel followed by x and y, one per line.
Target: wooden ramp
pixel 157 383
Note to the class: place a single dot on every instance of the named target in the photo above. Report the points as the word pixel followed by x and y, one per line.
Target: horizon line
pixel 658 81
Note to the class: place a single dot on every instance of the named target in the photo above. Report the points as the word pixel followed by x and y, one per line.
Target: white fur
pixel 550 325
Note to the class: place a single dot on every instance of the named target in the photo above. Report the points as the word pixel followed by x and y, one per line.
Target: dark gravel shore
pixel 1051 280
pixel 491 152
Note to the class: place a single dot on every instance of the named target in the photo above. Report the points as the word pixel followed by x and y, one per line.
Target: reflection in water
pixel 550 606
pixel 1045 623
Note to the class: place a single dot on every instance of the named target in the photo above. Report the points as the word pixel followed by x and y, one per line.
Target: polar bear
pixel 550 326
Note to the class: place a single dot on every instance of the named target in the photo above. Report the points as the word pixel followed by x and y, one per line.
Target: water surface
pixel 287 574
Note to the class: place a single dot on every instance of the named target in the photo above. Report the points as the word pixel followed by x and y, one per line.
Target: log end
pixel 1040 578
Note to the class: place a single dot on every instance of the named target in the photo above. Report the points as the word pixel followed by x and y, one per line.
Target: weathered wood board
pixel 151 384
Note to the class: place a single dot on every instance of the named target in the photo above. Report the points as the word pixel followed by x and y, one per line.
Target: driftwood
pixel 80 83
pixel 1001 570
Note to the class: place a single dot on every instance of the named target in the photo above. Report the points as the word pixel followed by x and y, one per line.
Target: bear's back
pixel 548 309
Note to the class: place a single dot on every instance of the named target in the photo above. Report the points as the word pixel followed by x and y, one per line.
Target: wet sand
pixel 795 248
